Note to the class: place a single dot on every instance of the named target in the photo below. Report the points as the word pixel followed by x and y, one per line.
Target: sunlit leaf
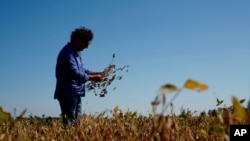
pixel 194 85
pixel 191 84
pixel 239 113
pixel 202 87
pixel 167 88
pixel 116 108
pixel 203 132
pixel 4 115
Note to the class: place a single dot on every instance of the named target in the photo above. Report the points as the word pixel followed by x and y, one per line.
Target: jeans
pixel 71 108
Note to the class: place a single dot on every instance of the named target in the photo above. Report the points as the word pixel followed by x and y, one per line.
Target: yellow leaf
pixel 202 87
pixel 4 115
pixel 194 85
pixel 203 132
pixel 191 84
pixel 239 113
pixel 116 108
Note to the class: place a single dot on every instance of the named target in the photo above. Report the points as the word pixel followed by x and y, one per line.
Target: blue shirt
pixel 70 73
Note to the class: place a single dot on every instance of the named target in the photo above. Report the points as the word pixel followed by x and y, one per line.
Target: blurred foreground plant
pixel 170 88
pixel 167 126
pixel 6 116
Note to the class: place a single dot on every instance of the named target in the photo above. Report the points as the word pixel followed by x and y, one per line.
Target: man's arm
pixel 67 67
pixel 95 73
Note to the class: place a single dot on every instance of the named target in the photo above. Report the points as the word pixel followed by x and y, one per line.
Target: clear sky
pixel 164 41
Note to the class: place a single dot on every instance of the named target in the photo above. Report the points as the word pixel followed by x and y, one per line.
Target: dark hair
pixel 82 33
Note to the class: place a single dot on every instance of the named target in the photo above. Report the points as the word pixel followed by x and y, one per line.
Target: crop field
pixel 124 126
pixel 118 125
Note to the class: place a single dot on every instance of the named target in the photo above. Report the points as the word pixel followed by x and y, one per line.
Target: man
pixel 71 75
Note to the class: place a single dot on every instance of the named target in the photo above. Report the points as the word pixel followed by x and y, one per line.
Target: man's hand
pixel 99 76
pixel 104 74
pixel 96 77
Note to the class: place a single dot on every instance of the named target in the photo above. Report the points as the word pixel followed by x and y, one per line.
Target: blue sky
pixel 162 41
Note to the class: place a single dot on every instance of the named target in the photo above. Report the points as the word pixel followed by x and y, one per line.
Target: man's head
pixel 81 38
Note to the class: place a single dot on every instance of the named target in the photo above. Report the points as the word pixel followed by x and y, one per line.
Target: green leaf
pixel 4 115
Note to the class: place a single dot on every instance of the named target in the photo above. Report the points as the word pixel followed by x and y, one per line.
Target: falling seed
pixel 119 77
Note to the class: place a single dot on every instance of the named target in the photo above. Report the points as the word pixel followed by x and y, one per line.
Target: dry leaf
pixel 167 88
pixel 191 84
pixel 239 113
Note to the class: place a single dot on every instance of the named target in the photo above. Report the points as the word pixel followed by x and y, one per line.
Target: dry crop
pixel 117 125
pixel 125 126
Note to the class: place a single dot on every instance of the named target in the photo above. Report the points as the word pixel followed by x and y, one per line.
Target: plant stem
pixel 173 98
